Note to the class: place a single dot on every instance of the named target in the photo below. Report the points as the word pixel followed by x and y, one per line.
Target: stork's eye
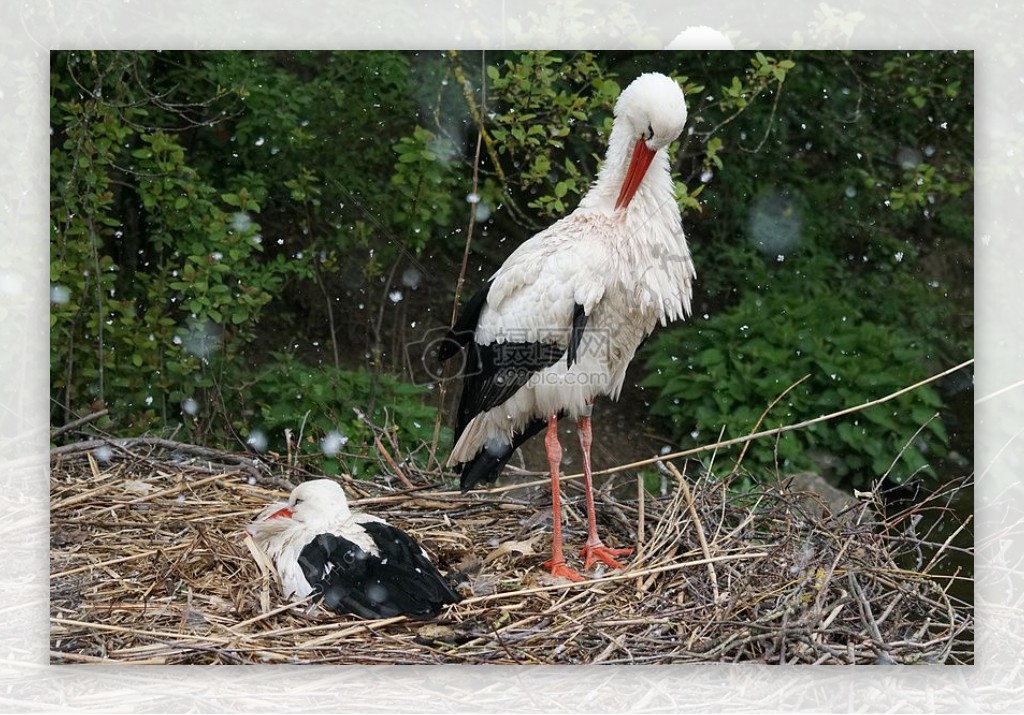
pixel 650 131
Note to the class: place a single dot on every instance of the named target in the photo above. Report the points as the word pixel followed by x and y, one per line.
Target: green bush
pixel 158 279
pixel 725 371
pixel 331 415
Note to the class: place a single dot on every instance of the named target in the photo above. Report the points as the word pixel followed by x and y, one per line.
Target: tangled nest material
pixel 150 563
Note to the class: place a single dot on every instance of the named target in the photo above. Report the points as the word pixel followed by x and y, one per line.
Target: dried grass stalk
pixel 150 564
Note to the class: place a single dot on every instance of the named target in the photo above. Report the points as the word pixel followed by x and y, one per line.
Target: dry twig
pixel 150 564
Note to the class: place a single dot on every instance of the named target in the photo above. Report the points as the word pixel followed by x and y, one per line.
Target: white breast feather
pixel 533 294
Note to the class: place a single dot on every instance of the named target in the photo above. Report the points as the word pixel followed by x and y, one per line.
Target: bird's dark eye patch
pixel 650 131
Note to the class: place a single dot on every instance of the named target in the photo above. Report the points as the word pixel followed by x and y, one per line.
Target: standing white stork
pixel 559 322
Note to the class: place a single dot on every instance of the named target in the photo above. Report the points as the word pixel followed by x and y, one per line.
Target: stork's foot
pixel 606 555
pixel 560 569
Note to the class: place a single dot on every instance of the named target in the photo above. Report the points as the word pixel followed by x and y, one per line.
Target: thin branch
pixel 627 574
pixel 749 437
pixel 764 414
pixel 78 423
pixel 374 430
pixel 785 428
pixel 478 116
pixel 771 120
pixel 129 442
pixel 318 279
pixel 478 113
pixel 698 527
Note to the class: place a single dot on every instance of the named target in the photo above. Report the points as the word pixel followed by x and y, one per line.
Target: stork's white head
pixel 316 504
pixel 284 530
pixel 654 108
pixel 649 115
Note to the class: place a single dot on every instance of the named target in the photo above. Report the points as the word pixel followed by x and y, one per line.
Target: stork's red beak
pixel 284 511
pixel 642 156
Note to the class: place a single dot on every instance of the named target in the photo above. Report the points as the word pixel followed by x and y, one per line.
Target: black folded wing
pixel 399 580
pixel 496 371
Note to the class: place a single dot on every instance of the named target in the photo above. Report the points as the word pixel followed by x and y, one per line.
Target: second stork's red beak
pixel 642 156
pixel 285 511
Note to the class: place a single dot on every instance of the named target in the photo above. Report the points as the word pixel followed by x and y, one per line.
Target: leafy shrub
pixel 157 277
pixel 726 370
pixel 329 412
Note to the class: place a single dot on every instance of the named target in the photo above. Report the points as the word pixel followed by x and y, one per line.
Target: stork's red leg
pixel 557 564
pixel 594 550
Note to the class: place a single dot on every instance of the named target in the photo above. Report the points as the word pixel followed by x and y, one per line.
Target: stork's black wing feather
pixel 488 463
pixel 579 324
pixel 399 580
pixel 494 372
pixel 462 332
pixel 338 571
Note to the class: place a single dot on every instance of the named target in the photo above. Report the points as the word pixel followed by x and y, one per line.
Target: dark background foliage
pixel 247 247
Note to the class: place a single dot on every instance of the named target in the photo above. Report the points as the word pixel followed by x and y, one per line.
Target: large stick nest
pixel 150 563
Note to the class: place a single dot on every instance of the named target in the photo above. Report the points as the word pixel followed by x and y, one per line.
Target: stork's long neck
pixel 337 513
pixel 654 191
pixel 652 251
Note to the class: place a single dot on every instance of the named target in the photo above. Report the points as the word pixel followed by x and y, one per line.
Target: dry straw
pixel 150 564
